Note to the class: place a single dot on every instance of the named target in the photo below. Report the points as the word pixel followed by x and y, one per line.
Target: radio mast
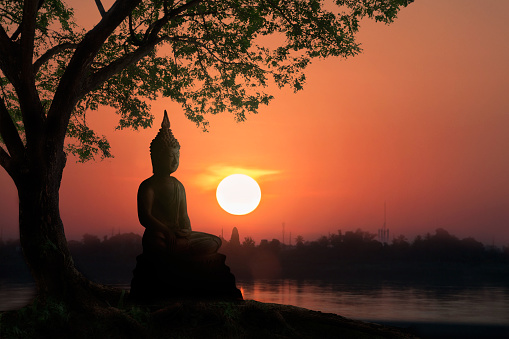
pixel 383 233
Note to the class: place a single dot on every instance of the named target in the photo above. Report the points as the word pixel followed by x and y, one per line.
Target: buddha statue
pixel 162 206
pixel 176 261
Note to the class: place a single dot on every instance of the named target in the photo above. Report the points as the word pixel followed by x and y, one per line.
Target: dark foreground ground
pixel 453 331
pixel 189 319
pixel 219 319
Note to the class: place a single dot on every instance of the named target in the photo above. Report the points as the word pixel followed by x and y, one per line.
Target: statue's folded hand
pixel 184 233
pixel 171 239
pixel 182 245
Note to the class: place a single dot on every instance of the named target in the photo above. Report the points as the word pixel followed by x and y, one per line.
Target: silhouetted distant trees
pixel 112 259
pixel 360 245
pixel 248 242
pixel 359 252
pixel 12 264
pixel 299 241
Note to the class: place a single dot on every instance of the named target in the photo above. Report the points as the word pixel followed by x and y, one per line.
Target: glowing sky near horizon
pixel 419 120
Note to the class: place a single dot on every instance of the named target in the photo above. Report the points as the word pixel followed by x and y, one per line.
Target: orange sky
pixel 420 120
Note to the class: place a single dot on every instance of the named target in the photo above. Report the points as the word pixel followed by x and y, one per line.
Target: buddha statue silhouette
pixel 176 261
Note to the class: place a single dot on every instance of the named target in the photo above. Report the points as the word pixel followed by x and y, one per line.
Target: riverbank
pixel 431 312
pixel 190 319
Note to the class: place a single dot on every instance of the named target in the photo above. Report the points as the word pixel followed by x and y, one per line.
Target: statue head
pixel 165 149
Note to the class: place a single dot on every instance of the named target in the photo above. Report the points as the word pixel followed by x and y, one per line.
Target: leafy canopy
pixel 210 56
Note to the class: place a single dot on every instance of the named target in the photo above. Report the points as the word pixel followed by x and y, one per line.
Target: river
pixel 432 310
pixel 385 302
pixel 480 304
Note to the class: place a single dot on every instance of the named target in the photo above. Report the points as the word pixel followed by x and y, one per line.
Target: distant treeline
pixel 359 254
pixel 353 254
pixel 110 260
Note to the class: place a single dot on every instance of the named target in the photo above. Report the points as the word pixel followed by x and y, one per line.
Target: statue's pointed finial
pixel 166 121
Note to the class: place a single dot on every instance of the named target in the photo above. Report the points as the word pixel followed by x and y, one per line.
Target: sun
pixel 238 194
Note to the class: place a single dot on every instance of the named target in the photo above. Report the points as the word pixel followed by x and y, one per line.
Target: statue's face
pixel 168 163
pixel 173 159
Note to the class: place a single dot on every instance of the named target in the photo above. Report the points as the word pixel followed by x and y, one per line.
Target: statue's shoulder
pixel 176 181
pixel 147 184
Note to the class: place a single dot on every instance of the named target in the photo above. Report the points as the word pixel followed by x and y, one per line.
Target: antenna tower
pixel 383 233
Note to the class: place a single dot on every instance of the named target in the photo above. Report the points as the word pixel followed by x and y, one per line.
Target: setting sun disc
pixel 238 194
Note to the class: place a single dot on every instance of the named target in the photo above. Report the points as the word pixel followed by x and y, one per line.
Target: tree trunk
pixel 43 239
pixel 87 305
pixel 42 234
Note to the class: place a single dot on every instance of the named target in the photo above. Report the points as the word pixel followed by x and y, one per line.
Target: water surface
pixel 483 304
pixel 486 304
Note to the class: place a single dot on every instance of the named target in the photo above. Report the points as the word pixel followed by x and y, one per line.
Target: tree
pixel 90 240
pixel 207 55
pixel 336 239
pixel 248 242
pixel 323 241
pixel 299 241
pixel 401 241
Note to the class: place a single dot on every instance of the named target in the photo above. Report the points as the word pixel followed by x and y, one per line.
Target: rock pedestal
pixel 156 279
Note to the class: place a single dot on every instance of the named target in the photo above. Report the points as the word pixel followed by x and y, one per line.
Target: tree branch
pixel 51 53
pixel 204 25
pixel 69 89
pixel 28 25
pixel 165 7
pixel 100 7
pixel 16 33
pixel 282 13
pixel 16 64
pixel 174 12
pixel 8 59
pixel 5 160
pixel 29 101
pixel 11 16
pixel 211 52
pixel 134 39
pixel 156 27
pixel 171 15
pixel 192 15
pixel 100 76
pixel 41 2
pixel 145 47
pixel 9 133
